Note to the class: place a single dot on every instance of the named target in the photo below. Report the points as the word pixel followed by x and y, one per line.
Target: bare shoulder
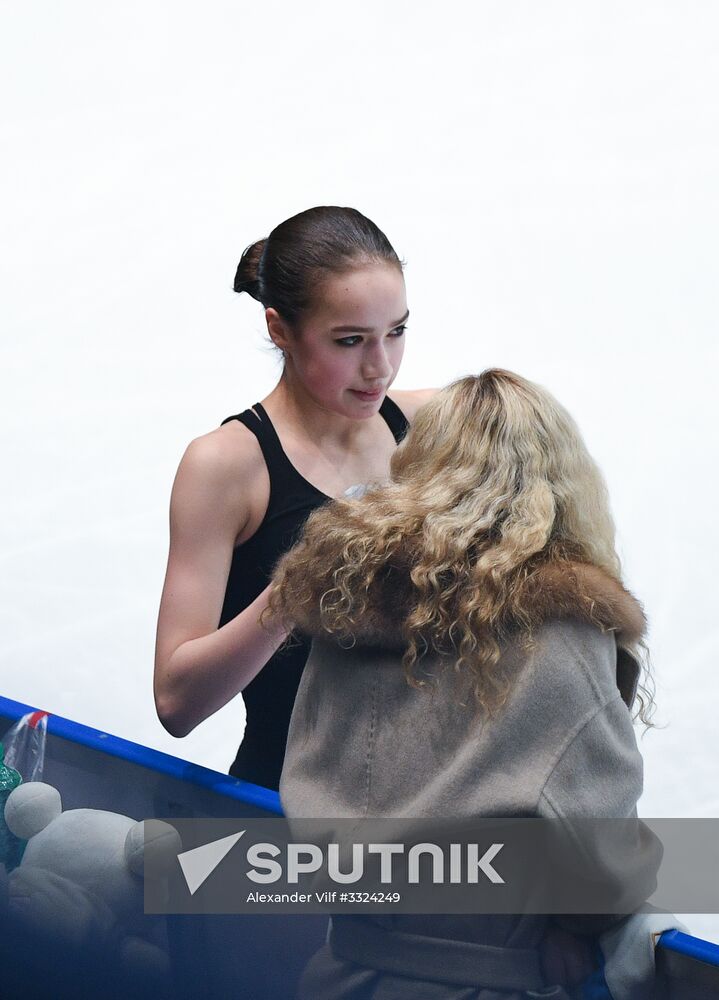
pixel 411 400
pixel 223 455
pixel 221 480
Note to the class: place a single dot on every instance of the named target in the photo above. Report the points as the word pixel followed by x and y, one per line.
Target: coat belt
pixel 438 960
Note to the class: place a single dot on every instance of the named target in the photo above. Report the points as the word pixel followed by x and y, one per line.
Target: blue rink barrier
pixel 687 967
pixel 214 957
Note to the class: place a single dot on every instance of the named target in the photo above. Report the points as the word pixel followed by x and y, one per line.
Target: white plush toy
pixel 80 880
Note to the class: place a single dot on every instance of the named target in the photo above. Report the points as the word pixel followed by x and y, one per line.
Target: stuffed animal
pixel 80 884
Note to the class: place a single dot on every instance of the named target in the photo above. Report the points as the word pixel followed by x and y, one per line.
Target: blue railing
pixel 157 761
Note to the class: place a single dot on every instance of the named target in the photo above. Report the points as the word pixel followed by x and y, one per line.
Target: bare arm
pixel 198 667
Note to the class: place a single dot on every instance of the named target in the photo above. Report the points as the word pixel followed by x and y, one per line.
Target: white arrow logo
pixel 199 863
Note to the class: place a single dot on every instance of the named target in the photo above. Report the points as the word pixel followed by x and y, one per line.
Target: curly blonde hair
pixel 492 482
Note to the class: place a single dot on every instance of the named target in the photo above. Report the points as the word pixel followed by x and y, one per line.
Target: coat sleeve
pixel 598 777
pixel 599 774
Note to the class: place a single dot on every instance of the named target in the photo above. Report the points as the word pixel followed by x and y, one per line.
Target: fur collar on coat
pixel 552 591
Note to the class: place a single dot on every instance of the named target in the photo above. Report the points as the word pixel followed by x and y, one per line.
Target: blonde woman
pixel 475 653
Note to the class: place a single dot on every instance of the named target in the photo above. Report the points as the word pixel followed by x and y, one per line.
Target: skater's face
pixel 349 347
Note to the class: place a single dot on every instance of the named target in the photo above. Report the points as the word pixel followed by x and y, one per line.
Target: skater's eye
pixel 398 331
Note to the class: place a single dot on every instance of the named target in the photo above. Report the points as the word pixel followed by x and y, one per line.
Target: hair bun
pixel 285 270
pixel 247 276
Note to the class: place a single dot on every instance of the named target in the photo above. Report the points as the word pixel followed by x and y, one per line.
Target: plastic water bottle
pixel 11 847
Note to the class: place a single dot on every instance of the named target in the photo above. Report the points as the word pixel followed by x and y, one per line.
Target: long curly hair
pixel 492 481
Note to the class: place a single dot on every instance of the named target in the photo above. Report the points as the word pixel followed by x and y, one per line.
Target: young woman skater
pixel 335 305
pixel 474 654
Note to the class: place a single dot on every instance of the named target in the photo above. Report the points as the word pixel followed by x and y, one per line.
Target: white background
pixel 549 172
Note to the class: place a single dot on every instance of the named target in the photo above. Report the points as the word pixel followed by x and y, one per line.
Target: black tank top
pixel 269 698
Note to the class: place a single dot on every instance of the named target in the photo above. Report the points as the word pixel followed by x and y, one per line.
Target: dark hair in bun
pixel 283 270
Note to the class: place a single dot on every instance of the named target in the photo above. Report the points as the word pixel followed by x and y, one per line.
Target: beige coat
pixel 362 742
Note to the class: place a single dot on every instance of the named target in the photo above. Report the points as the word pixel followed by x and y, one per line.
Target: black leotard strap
pixel 394 418
pixel 269 441
pixel 277 462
